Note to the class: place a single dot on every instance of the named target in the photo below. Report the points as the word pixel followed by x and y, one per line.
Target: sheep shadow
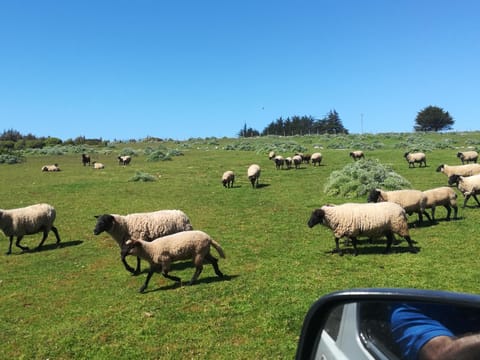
pixel 375 247
pixel 204 280
pixel 50 247
pixel 260 186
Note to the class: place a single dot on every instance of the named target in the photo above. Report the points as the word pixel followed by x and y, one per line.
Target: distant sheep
pixel 253 174
pixel 418 157
pixel 271 155
pixel 162 252
pixel 279 161
pixel 461 170
pixel 441 196
pixel 85 160
pixel 306 158
pixel 411 200
pixel 98 166
pixel 373 220
pixel 288 162
pixel 316 158
pixel 124 160
pixel 51 168
pixel 145 226
pixel 468 156
pixel 357 155
pixel 297 161
pixel 28 221
pixel 228 178
pixel 468 186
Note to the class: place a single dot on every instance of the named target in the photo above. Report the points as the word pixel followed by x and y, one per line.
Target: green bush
pixel 143 177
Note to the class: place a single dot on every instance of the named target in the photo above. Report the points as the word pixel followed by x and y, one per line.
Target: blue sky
pixel 120 69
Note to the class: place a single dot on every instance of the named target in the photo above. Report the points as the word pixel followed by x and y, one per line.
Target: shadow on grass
pixel 375 247
pixel 205 280
pixel 50 247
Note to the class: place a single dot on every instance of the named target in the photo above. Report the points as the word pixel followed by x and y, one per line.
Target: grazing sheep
pixel 306 158
pixel 228 178
pixel 316 158
pixel 28 221
pixel 288 162
pixel 462 170
pixel 162 252
pixel 411 200
pixel 271 155
pixel 418 157
pixel 145 226
pixel 51 168
pixel 124 160
pixel 357 155
pixel 297 161
pixel 253 173
pixel 85 160
pixel 97 165
pixel 441 196
pixel 468 186
pixel 468 156
pixel 279 161
pixel 373 220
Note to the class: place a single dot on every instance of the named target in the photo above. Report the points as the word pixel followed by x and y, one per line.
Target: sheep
pixel 462 170
pixel 85 160
pixel 441 196
pixel 316 158
pixel 28 221
pixel 50 168
pixel 279 161
pixel 468 186
pixel 288 162
pixel 162 252
pixel 98 166
pixel 371 219
pixel 271 155
pixel 297 161
pixel 418 157
pixel 253 173
pixel 124 160
pixel 228 178
pixel 357 155
pixel 467 156
pixel 145 226
pixel 306 158
pixel 411 200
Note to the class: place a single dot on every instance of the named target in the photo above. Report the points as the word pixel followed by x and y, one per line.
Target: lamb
pixel 468 186
pixel 316 158
pixel 98 166
pixel 441 196
pixel 418 157
pixel 145 226
pixel 28 221
pixel 357 155
pixel 253 173
pixel 51 168
pixel 228 178
pixel 85 160
pixel 411 200
pixel 372 219
pixel 279 161
pixel 162 252
pixel 462 170
pixel 467 156
pixel 124 160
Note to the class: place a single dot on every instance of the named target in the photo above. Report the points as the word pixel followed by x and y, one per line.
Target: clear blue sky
pixel 119 69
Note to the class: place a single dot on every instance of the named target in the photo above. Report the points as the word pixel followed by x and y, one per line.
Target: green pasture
pixel 78 302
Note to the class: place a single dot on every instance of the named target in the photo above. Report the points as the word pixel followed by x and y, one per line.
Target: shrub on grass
pixel 143 177
pixel 11 159
pixel 358 178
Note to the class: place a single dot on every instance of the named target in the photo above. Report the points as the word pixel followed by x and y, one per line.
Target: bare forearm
pixel 446 348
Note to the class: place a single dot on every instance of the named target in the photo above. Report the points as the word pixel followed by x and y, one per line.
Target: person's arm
pixel 445 348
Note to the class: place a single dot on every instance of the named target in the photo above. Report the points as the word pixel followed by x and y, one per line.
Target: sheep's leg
pixel 127 267
pixel 197 273
pixel 410 244
pixel 390 239
pixel 147 280
pixel 171 277
pixel 45 235
pixel 212 260
pixel 137 269
pixel 55 231
pixel 433 213
pixel 10 246
pixel 337 247
pixel 455 212
pixel 354 243
pixel 17 244
pixel 466 199
pixel 449 211
pixel 475 197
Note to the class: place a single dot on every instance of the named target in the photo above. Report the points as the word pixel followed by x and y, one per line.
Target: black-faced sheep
pixel 372 219
pixel 357 155
pixel 144 226
pixel 162 252
pixel 297 161
pixel 124 160
pixel 468 156
pixel 253 174
pixel 316 158
pixel 418 157
pixel 50 168
pixel 411 200
pixel 28 221
pixel 279 161
pixel 85 160
pixel 442 196
pixel 468 186
pixel 228 178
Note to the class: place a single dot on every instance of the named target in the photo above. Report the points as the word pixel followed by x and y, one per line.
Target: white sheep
pixel 253 174
pixel 51 168
pixel 411 200
pixel 28 221
pixel 144 226
pixel 297 160
pixel 316 158
pixel 468 186
pixel 124 160
pixel 98 166
pixel 279 161
pixel 357 155
pixel 467 156
pixel 271 155
pixel 162 252
pixel 228 178
pixel 371 219
pixel 418 157
pixel 288 162
pixel 461 170
pixel 441 196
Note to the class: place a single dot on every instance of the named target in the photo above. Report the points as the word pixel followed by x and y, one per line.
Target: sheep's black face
pixel 104 223
pixel 453 180
pixel 373 196
pixel 316 218
pixel 439 169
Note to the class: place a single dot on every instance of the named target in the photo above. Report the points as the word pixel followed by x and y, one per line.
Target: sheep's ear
pixel 96 216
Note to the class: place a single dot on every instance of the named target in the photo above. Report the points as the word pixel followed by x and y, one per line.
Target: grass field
pixel 77 301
